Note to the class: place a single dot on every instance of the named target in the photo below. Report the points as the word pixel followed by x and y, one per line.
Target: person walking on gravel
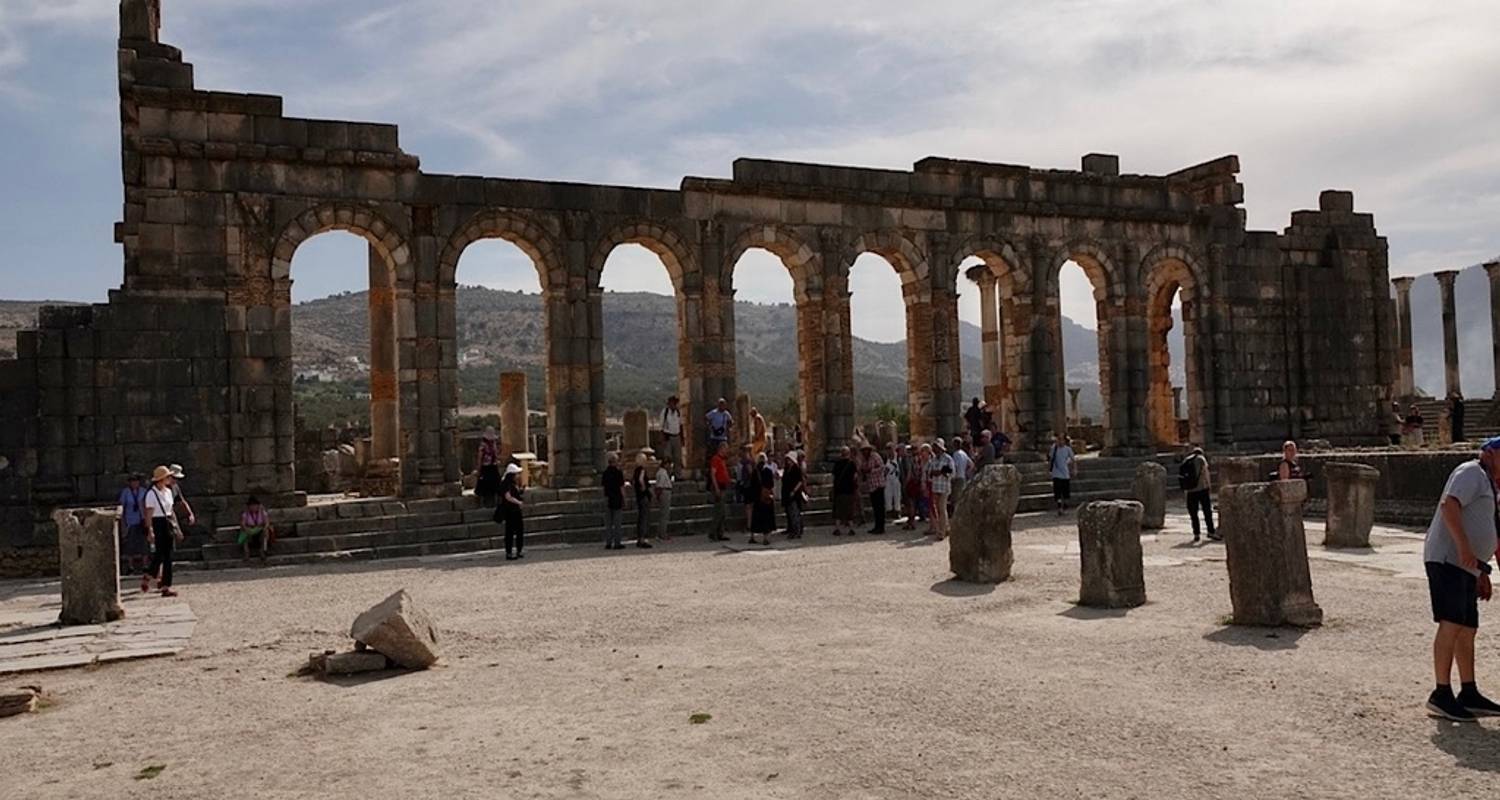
pixel 1460 543
pixel 1061 464
pixel 613 483
pixel 1197 487
pixel 163 531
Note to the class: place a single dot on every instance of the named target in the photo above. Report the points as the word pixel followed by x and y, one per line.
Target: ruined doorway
pixel 881 347
pixel 1080 338
pixel 1174 396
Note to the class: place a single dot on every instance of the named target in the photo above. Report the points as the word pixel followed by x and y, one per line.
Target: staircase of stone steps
pixel 1098 478
pixel 1480 421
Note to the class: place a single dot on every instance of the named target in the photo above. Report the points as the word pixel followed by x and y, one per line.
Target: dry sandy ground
pixel 830 671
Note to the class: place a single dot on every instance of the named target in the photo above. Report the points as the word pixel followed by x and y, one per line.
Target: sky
pixel 1394 100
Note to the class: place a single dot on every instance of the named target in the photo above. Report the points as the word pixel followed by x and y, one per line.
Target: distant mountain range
pixel 500 330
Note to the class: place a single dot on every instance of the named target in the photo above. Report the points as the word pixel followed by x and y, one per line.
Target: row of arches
pixel 1173 273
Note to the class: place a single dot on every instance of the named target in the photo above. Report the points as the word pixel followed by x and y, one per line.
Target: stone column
pixel 1112 573
pixel 1266 548
pixel 979 549
pixel 1493 270
pixel 1445 279
pixel 989 337
pixel 742 427
pixel 1150 489
pixel 1405 376
pixel 1073 416
pixel 385 406
pixel 1176 403
pixel 1351 504
pixel 637 432
pixel 515 415
pixel 89 565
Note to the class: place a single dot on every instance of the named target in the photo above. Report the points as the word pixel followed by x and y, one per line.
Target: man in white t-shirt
pixel 1061 465
pixel 671 431
pixel 1460 542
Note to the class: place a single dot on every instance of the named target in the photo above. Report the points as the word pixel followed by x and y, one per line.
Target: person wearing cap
pixel 131 511
pixel 940 484
pixel 1459 545
pixel 182 505
pixel 1197 487
pixel 508 511
pixel 255 528
pixel 162 530
pixel 872 483
pixel 487 485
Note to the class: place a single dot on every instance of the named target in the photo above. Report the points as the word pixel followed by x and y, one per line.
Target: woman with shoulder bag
pixel 162 531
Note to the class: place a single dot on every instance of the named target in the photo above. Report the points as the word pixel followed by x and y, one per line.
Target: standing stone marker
pixel 637 432
pixel 1269 581
pixel 979 545
pixel 89 562
pixel 1351 504
pixel 515 417
pixel 400 631
pixel 1229 472
pixel 1109 544
pixel 1150 489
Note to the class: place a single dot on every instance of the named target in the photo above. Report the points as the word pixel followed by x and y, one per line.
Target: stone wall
pixel 190 360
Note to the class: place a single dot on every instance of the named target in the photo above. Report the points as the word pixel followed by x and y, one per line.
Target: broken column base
pixel 1266 548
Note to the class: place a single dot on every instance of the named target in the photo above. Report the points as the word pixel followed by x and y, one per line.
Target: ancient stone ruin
pixel 1112 571
pixel 1351 504
pixel 1289 333
pixel 979 546
pixel 1266 548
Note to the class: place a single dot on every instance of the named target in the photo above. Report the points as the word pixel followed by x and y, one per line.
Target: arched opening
pixel 342 342
pixel 880 342
pixel 502 349
pixel 993 337
pixel 1173 397
pixel 643 337
pixel 766 333
pixel 1081 364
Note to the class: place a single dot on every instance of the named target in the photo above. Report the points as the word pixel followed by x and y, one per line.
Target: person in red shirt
pixel 718 480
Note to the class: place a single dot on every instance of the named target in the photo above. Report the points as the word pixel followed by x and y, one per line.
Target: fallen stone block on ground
pixel 399 630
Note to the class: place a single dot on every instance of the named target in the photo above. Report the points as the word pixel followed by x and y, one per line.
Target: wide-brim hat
pixel 160 474
pixel 512 469
pixel 490 435
pixel 176 470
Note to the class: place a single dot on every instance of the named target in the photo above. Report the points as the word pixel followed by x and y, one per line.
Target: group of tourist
pixel 1409 429
pixel 151 525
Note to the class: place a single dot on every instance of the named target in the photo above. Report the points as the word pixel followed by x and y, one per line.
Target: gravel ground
pixel 838 669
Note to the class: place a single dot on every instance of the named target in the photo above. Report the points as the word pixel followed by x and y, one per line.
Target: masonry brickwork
pixel 1289 334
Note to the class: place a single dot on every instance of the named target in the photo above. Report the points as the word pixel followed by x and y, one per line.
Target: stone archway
pixel 924 354
pixel 1170 270
pixel 1107 288
pixel 1005 322
pixel 389 299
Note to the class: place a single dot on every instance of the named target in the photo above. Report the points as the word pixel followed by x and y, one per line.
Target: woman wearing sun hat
pixel 508 512
pixel 162 530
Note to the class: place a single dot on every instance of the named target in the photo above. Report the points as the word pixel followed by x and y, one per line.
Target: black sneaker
pixel 643 544
pixel 1478 705
pixel 1444 705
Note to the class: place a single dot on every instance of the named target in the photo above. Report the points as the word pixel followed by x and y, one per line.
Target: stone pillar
pixel 1493 270
pixel 1351 504
pixel 979 547
pixel 1176 402
pixel 989 337
pixel 385 406
pixel 1150 489
pixel 1074 417
pixel 637 432
pixel 1266 547
pixel 742 427
pixel 515 416
pixel 88 548
pixel 1405 375
pixel 1112 573
pixel 1452 384
pixel 1227 472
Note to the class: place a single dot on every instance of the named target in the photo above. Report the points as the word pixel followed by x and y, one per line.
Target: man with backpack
pixel 1193 478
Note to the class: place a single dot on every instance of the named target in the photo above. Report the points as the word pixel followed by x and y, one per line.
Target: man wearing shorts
pixel 1460 542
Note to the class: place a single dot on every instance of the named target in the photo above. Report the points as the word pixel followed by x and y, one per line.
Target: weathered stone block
pixel 979 546
pixel 1351 504
pixel 1150 489
pixel 1269 580
pixel 1229 472
pixel 1109 542
pixel 397 628
pixel 89 562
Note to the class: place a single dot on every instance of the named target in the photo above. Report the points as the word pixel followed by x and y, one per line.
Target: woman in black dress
pixel 508 512
pixel 763 515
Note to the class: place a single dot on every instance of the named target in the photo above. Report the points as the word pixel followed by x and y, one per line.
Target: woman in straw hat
pixel 162 531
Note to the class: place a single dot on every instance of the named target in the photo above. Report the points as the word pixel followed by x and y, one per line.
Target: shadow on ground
pixel 1089 613
pixel 956 588
pixel 1472 746
pixel 1258 638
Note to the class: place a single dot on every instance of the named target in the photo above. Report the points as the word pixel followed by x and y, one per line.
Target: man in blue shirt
pixel 132 525
pixel 720 423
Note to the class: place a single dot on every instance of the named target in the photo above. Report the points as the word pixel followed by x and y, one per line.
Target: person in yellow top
pixel 760 436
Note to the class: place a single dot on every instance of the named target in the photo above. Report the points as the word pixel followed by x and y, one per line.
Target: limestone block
pixel 1227 472
pixel 637 431
pixel 1109 542
pixel 89 564
pixel 397 628
pixel 1150 489
pixel 1266 547
pixel 350 663
pixel 514 415
pixel 1351 504
pixel 979 546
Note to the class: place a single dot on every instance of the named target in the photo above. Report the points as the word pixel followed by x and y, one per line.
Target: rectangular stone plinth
pixel 1351 504
pixel 88 550
pixel 1109 545
pixel 1266 546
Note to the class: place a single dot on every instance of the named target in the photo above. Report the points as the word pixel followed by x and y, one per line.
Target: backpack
pixel 1187 474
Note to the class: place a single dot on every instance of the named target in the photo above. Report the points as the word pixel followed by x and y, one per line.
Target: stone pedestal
pixel 88 548
pixel 1269 580
pixel 979 543
pixel 1351 504
pixel 1227 472
pixel 1150 490
pixel 515 417
pixel 637 432
pixel 1109 545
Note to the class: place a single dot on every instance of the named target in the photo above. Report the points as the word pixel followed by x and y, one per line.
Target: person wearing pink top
pixel 255 528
